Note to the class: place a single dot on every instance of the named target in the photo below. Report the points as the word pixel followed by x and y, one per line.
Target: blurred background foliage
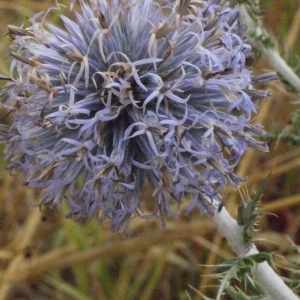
pixel 45 256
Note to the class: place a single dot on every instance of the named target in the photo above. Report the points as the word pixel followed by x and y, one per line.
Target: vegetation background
pixel 45 256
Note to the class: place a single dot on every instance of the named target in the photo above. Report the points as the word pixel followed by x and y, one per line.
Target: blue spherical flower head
pixel 128 92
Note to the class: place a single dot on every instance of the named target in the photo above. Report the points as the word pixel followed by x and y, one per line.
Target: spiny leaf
pixel 248 214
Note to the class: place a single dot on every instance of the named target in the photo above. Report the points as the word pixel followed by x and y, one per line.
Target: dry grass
pixel 45 256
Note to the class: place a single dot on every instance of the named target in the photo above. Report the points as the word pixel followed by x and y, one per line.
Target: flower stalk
pixel 260 38
pixel 264 274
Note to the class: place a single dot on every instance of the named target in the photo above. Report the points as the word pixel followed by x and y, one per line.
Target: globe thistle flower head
pixel 130 92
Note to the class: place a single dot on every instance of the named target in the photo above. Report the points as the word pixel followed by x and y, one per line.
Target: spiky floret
pixel 131 91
